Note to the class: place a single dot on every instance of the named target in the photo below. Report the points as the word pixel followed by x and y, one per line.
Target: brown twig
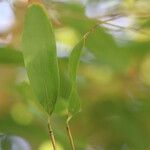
pixel 70 136
pixel 93 28
pixel 106 22
pixel 51 134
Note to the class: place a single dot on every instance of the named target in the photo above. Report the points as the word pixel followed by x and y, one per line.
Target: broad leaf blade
pixel 74 101
pixel 39 50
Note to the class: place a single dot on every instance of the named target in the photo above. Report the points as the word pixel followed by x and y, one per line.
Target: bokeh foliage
pixel 113 78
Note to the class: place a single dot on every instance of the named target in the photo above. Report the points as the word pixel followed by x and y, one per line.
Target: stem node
pixel 51 134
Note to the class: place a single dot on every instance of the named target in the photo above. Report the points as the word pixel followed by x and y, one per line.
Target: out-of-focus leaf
pixel 10 56
pixel 122 117
pixel 25 90
pixel 106 50
pixel 98 41
pixel 39 50
pixel 73 15
pixel 74 102
pixel 102 44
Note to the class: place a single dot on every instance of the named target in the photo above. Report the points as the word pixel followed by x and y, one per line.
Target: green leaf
pixel 74 60
pixel 10 56
pixel 65 83
pixel 39 51
pixel 61 107
pixel 74 102
pixel 118 57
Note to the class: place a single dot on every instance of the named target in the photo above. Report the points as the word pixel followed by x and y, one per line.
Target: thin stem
pixel 51 134
pixel 127 28
pixel 93 28
pixel 107 22
pixel 70 136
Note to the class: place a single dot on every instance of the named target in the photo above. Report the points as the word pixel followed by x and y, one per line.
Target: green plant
pixel 41 61
pixel 113 81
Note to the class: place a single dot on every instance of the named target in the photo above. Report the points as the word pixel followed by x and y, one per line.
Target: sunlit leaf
pixel 39 50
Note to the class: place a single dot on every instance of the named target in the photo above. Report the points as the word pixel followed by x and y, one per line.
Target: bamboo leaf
pixel 74 60
pixel 39 51
pixel 74 101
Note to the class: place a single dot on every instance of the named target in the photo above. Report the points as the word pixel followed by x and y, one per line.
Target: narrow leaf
pixel 39 51
pixel 74 60
pixel 74 101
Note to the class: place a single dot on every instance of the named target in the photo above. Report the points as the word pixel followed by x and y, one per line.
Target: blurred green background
pixel 113 77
